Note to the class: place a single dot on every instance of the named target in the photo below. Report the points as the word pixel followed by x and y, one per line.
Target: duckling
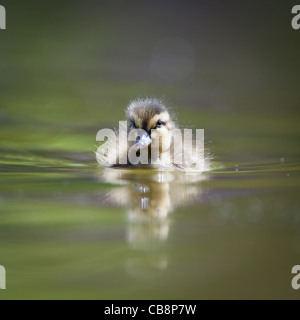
pixel 152 127
pixel 153 117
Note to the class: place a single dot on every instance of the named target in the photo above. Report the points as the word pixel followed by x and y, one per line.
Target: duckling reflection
pixel 149 197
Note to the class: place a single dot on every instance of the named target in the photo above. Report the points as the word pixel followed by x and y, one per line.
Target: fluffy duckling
pixel 152 116
pixel 153 127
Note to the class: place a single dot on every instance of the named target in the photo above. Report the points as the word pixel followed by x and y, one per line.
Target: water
pixel 71 230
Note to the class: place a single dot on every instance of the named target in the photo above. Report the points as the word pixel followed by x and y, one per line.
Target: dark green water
pixel 69 229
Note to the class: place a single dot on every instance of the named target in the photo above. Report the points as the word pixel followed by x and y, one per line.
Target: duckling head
pixel 153 117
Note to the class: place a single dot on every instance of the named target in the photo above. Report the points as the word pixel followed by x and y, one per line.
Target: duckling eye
pixel 160 123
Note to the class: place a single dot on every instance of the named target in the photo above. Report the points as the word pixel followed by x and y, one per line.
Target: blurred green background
pixel 69 68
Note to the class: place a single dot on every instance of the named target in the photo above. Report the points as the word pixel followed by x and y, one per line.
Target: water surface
pixel 72 230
